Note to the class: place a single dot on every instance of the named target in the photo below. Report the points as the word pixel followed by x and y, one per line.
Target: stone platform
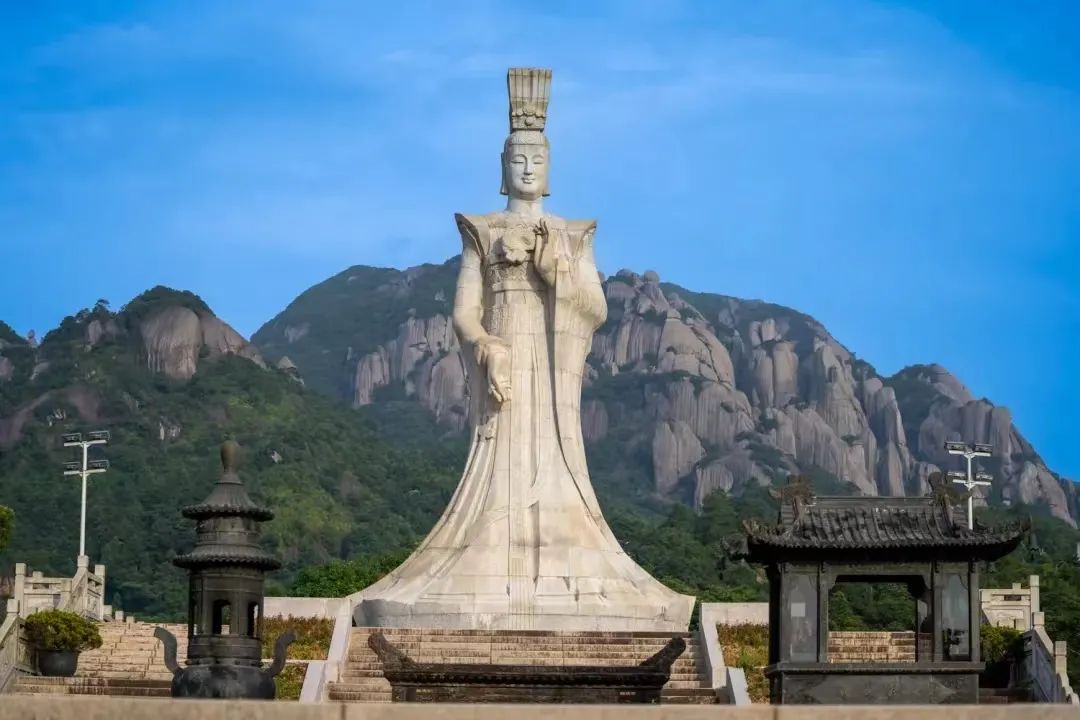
pixel 364 678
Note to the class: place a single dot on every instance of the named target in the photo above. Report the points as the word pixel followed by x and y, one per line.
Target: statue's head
pixel 526 151
pixel 525 165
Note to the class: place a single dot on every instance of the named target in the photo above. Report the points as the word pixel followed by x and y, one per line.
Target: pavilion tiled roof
pixel 809 523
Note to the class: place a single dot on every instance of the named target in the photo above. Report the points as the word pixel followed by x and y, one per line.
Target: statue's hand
pixel 498 372
pixel 547 251
pixel 482 348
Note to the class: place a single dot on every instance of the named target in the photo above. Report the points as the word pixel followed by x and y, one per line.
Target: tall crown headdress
pixel 529 90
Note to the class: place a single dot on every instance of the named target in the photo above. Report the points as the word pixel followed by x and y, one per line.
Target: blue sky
pixel 908 173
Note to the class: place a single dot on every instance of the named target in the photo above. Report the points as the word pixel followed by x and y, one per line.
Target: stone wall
pixel 851 646
pixel 302 607
pixel 92 708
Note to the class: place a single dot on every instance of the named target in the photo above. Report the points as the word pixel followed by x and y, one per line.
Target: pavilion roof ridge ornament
pixel 798 493
pixel 529 90
pixel 229 497
pixel 945 492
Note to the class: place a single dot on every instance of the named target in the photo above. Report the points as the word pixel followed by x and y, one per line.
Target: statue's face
pixel 525 170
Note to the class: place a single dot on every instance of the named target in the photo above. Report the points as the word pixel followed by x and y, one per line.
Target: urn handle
pixel 281 647
pixel 169 641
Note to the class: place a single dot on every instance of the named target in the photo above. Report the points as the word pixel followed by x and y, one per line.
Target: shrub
pixel 62 631
pixel 1001 647
pixel 7 526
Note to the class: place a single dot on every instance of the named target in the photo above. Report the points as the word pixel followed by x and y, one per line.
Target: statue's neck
pixel 529 208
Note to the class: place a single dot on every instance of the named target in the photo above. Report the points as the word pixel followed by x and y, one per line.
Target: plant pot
pixel 57 663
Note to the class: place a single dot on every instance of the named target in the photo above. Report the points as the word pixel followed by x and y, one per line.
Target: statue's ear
pixel 502 173
pixel 547 185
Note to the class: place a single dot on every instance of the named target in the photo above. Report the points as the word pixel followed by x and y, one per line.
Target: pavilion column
pixel 775 603
pixel 936 608
pixel 974 612
pixel 824 586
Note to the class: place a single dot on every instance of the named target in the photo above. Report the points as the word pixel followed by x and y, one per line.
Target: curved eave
pixel 773 548
pixel 206 511
pixel 195 561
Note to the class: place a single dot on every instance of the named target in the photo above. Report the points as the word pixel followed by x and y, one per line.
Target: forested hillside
pixel 337 488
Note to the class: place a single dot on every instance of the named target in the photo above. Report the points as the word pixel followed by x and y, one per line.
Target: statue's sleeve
pixel 469 296
pixel 586 292
pixel 580 308
pixel 469 310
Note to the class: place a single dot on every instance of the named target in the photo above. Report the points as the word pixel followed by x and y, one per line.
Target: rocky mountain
pixel 686 392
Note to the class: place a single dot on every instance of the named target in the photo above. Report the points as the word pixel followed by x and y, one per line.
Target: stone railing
pixel 84 593
pixel 15 656
pixel 1011 607
pixel 1043 667
pixel 320 673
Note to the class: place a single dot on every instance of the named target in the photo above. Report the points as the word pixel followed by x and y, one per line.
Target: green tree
pixel 7 526
pixel 344 577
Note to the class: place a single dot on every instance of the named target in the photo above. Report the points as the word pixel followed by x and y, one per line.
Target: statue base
pixel 472 615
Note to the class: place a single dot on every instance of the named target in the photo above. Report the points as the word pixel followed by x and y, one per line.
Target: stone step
pixel 370 696
pixel 527 633
pixel 121 674
pixel 112 667
pixel 703 696
pixel 366 663
pixel 93 686
pixel 643 648
pixel 109 691
pixel 101 682
pixel 348 692
pixel 354 674
pixel 599 647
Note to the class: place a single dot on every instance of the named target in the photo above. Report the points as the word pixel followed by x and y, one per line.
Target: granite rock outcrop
pixel 718 392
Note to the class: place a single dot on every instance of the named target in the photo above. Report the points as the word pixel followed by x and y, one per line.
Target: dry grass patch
pixel 747 648
pixel 312 636
pixel 290 681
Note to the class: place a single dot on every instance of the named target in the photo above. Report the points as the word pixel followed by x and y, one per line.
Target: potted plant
pixel 58 636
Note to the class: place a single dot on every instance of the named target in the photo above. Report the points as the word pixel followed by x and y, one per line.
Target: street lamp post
pixel 970 452
pixel 85 469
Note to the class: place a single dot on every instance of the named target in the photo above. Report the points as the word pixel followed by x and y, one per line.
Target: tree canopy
pixel 7 526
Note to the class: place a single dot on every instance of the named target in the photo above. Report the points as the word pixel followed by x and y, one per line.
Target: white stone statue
pixel 523 544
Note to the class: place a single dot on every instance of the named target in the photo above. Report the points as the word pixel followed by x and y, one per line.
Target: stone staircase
pixel 859 647
pixel 129 662
pixel 362 676
pixel 1004 696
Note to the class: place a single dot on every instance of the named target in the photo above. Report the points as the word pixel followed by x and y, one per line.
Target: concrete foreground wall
pixel 94 708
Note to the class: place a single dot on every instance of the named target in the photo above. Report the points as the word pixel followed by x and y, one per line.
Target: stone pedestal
pixel 480 682
pixel 874 683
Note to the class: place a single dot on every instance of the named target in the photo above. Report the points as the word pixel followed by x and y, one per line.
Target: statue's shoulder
pixel 476 230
